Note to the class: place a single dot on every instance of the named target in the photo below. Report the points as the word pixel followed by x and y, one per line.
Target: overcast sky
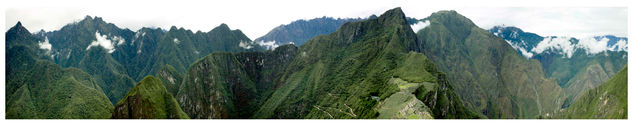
pixel 256 18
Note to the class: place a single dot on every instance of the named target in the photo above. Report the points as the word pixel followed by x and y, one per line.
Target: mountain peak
pixel 395 15
pixel 454 22
pixel 396 11
pixel 452 17
pixel 222 27
pixel 87 18
pixel 19 24
pixel 18 29
pixel 19 33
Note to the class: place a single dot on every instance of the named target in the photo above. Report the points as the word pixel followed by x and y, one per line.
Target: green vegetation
pixel 345 74
pixel 342 75
pixel 607 101
pixel 486 71
pixel 216 87
pixel 575 73
pixel 171 78
pixel 374 68
pixel 148 100
pixel 39 89
pixel 108 73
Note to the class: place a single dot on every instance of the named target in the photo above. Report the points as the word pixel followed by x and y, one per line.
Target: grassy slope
pixel 46 91
pixel 108 73
pixel 149 99
pixel 485 71
pixel 607 101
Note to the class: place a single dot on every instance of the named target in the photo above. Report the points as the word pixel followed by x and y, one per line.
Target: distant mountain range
pixel 577 64
pixel 387 67
pixel 531 44
pixel 300 31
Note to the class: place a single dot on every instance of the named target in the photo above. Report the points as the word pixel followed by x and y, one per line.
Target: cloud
pixel 268 44
pixel 103 41
pixel 45 45
pixel 591 45
pixel 522 50
pixel 245 45
pixel 176 41
pixel 420 25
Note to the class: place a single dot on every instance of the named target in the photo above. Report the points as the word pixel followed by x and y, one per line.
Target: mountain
pixel 171 78
pixel 39 89
pixel 300 31
pixel 343 74
pixel 607 101
pixel 149 99
pixel 577 64
pixel 363 70
pixel 108 73
pixel 227 85
pixel 530 44
pixel 180 47
pixel 485 71
pixel 143 52
pixel 116 57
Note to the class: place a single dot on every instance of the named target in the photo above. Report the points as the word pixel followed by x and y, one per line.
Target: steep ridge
pixel 171 79
pixel 148 100
pixel 485 70
pixel 299 31
pixel 108 73
pixel 227 85
pixel 345 74
pixel 575 66
pixel 116 57
pixel 210 87
pixel 39 89
pixel 607 101
pixel 341 75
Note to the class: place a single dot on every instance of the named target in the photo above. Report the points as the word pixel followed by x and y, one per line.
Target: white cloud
pixel 590 44
pixel 119 40
pixel 522 50
pixel 45 45
pixel 176 41
pixel 420 25
pixel 268 44
pixel 245 45
pixel 103 41
pixel 526 53
pixel 558 43
pixel 621 45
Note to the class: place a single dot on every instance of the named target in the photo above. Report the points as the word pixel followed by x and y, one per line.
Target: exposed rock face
pixel 171 78
pixel 148 100
pixel 214 85
pixel 226 85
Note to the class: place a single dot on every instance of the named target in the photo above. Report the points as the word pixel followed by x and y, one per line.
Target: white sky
pixel 256 18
